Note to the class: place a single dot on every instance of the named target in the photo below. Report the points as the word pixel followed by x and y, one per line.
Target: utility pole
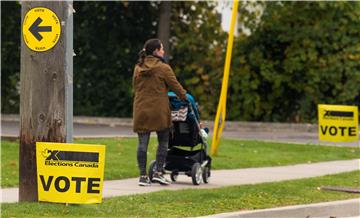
pixel 46 79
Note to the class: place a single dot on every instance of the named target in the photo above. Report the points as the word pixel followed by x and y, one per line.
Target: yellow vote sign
pixel 41 29
pixel 338 123
pixel 70 173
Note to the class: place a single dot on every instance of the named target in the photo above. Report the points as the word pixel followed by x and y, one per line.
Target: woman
pixel 152 80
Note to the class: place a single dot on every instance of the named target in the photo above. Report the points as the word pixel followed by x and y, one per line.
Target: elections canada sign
pixel 70 173
pixel 338 123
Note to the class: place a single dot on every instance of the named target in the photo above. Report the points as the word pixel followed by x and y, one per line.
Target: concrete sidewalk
pixel 219 178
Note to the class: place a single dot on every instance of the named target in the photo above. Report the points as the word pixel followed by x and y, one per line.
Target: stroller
pixel 186 132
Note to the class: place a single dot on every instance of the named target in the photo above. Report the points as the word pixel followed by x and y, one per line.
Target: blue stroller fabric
pixel 176 104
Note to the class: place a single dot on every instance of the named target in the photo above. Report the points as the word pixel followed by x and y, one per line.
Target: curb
pixel 15 137
pixel 344 208
pixel 229 125
pixel 111 121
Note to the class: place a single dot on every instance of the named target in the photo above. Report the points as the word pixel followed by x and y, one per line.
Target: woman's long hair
pixel 149 47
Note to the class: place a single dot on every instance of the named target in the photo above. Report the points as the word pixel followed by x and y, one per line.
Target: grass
pixel 190 203
pixel 232 154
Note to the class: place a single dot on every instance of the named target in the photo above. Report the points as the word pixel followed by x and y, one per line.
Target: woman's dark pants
pixel 163 140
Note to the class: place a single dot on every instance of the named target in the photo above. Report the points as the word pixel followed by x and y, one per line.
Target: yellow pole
pixel 221 110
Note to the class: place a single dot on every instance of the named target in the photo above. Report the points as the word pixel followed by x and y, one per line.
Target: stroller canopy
pixel 176 104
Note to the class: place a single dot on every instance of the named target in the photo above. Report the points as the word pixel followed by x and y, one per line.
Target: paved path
pixel 105 127
pixel 221 178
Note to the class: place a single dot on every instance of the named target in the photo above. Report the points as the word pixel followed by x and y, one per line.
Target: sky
pixel 224 8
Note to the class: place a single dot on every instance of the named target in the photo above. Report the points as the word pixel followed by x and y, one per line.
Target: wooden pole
pixel 46 84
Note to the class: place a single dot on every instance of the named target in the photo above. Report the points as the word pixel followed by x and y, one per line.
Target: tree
pixel 299 54
pixel 107 39
pixel 163 32
pixel 198 44
pixel 10 56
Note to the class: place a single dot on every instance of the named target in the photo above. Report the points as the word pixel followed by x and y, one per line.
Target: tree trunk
pixel 46 87
pixel 164 25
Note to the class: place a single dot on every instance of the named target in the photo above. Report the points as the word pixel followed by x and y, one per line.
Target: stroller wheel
pixel 196 174
pixel 173 177
pixel 206 175
pixel 152 169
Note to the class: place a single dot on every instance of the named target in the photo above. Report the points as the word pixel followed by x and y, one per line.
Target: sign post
pixel 46 83
pixel 221 110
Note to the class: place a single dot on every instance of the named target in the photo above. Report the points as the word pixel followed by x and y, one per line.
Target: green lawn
pixel 232 154
pixel 197 202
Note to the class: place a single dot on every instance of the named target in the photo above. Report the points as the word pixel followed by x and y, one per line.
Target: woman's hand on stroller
pixel 201 125
pixel 203 133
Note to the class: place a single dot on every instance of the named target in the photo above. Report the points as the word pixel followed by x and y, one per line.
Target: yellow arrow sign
pixel 41 29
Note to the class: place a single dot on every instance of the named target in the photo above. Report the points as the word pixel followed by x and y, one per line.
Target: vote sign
pixel 41 29
pixel 338 123
pixel 70 173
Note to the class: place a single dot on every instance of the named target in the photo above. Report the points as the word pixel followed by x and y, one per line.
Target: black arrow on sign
pixel 35 29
